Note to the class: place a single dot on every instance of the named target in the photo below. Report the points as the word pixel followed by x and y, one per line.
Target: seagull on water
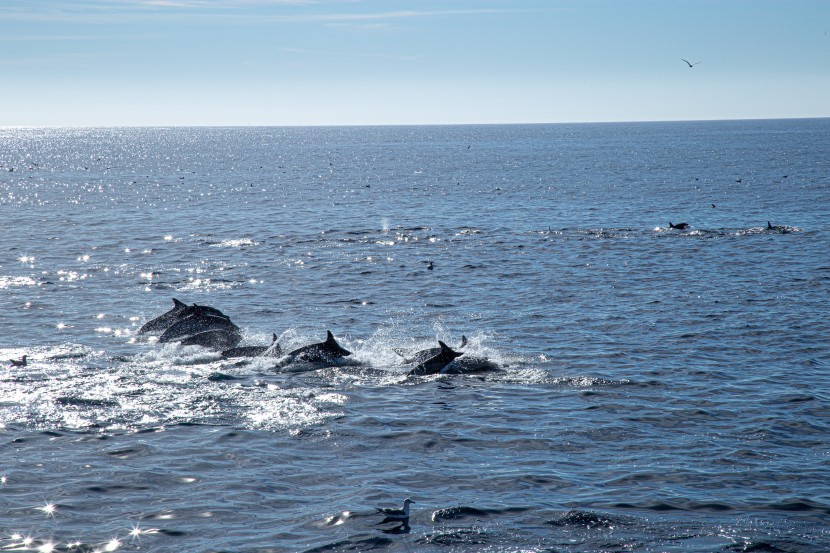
pixel 395 515
pixel 690 64
pixel 18 362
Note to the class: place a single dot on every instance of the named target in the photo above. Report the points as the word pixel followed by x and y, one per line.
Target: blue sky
pixel 335 62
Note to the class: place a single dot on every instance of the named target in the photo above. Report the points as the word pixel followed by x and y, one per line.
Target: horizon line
pixel 329 125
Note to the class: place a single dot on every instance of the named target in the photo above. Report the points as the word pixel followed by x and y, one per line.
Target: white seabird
pixel 394 515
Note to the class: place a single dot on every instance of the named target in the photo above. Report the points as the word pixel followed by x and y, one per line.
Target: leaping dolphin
pixel 438 363
pixel 679 226
pixel 321 352
pixel 180 311
pixel 163 321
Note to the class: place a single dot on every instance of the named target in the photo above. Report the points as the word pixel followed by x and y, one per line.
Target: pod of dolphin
pixel 201 325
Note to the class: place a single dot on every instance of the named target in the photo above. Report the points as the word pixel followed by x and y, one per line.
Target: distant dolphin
pixel 679 226
pixel 220 339
pixel 22 362
pixel 321 352
pixel 438 363
pixel 195 324
pixel 777 228
pixel 425 354
pixel 273 350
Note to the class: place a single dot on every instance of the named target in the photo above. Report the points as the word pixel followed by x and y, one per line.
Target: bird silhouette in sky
pixel 690 64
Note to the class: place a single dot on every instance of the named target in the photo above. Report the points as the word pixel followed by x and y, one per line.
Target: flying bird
pixel 690 64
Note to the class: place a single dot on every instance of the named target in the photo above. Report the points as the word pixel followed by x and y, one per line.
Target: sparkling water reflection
pixel 628 386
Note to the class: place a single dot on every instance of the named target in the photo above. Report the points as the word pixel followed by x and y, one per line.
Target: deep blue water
pixel 651 389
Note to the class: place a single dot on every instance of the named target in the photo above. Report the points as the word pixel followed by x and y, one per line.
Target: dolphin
pixel 472 365
pixel 438 363
pixel 204 310
pixel 679 226
pixel 321 352
pixel 163 321
pixel 219 338
pixel 195 324
pixel 777 228
pixel 425 354
pixel 22 362
pixel 180 311
pixel 274 350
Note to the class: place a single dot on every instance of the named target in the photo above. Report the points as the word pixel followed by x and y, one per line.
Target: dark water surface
pixel 629 387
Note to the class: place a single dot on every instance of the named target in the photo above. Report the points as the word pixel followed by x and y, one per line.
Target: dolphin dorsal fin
pixel 463 341
pixel 330 337
pixel 445 349
pixel 177 303
pixel 273 338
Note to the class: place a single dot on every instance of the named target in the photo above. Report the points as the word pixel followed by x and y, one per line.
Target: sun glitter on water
pixel 49 509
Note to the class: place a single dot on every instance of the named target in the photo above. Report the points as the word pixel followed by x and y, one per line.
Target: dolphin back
pixel 274 350
pixel 195 324
pixel 438 363
pixel 425 354
pixel 218 339
pixel 320 352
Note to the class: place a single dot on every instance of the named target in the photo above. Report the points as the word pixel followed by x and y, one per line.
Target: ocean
pixel 625 387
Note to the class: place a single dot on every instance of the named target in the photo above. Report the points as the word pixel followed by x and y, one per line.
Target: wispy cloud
pixel 220 4
pixel 62 60
pixel 60 38
pixel 414 58
pixel 228 11
pixel 110 11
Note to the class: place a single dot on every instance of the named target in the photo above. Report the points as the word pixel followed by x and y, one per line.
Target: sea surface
pixel 626 387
